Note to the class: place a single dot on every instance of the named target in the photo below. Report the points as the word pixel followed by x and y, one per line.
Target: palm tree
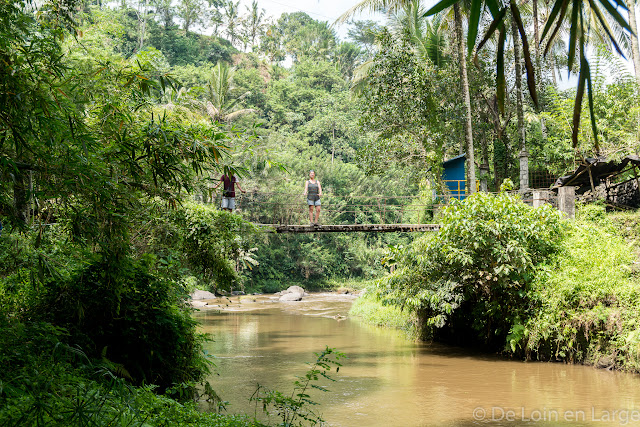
pixel 584 17
pixel 427 35
pixel 232 19
pixel 254 22
pixel 524 154
pixel 221 102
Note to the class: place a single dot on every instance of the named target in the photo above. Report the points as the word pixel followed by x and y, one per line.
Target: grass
pixel 370 310
pixel 586 301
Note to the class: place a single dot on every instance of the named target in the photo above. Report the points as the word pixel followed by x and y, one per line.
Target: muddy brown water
pixel 389 380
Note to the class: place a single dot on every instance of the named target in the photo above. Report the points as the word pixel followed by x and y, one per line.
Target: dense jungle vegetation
pixel 118 120
pixel 504 276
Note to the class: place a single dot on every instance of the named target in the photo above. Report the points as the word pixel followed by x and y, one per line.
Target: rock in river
pixel 294 293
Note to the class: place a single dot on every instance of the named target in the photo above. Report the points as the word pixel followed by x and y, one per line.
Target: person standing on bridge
pixel 313 191
pixel 229 192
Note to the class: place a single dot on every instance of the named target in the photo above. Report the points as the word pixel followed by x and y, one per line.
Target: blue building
pixel 453 175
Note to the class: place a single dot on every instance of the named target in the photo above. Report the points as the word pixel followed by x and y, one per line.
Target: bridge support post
pixel 540 197
pixel 567 201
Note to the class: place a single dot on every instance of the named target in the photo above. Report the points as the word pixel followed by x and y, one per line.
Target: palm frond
pixel 229 117
pixel 372 6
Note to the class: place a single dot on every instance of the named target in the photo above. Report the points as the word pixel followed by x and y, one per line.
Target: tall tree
pixel 408 5
pixel 364 33
pixel 584 16
pixel 301 36
pixel 464 82
pixel 191 12
pixel 522 138
pixel 165 11
pixel 635 50
pixel 254 22
pixel 232 21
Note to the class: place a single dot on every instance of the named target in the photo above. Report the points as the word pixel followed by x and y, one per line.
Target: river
pixel 389 380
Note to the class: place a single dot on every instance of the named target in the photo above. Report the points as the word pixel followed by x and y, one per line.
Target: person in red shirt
pixel 229 192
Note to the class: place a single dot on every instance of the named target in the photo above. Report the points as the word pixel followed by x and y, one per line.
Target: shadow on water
pixel 389 380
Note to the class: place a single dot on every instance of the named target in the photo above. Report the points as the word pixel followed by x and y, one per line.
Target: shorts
pixel 312 203
pixel 228 203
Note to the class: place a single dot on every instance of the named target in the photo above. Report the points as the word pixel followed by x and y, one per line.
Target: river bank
pixel 579 303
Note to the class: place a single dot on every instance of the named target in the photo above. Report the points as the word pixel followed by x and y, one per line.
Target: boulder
pixel 198 294
pixel 293 293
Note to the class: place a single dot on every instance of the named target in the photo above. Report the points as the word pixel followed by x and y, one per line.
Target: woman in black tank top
pixel 313 191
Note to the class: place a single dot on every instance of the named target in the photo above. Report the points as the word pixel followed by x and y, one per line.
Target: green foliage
pixel 46 382
pixel 616 113
pixel 370 310
pixel 300 36
pixel 211 242
pixel 294 100
pixel 583 18
pixel 399 104
pixel 121 313
pixel 472 276
pixel 584 302
pixel 295 410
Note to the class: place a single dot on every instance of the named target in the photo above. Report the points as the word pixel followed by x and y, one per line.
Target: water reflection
pixel 391 381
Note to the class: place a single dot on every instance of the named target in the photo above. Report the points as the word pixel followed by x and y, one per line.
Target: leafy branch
pixel 293 409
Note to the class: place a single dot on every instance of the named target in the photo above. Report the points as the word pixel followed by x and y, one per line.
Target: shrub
pixel 44 382
pixel 212 243
pixel 471 278
pixel 118 311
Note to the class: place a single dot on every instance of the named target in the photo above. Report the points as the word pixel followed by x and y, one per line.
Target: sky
pixel 330 10
pixel 321 10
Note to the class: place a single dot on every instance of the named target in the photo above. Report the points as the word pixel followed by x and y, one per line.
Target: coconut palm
pixel 428 36
pixel 232 20
pixel 220 99
pixel 254 23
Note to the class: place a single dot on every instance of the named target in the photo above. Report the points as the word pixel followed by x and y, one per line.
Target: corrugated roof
pixel 454 158
pixel 597 169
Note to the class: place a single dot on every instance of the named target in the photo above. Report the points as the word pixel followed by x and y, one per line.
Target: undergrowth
pixel 578 302
pixel 368 308
pixel 45 382
pixel 585 301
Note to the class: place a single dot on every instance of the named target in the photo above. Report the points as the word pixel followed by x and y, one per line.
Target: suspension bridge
pixel 289 213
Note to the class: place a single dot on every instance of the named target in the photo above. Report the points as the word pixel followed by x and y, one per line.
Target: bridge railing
pixel 292 208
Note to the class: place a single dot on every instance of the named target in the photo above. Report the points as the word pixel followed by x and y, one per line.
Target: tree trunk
pixel 468 131
pixel 635 51
pixel 143 24
pixel 524 155
pixel 484 166
pixel 20 198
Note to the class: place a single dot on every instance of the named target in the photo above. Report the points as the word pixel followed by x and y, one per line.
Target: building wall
pixel 454 176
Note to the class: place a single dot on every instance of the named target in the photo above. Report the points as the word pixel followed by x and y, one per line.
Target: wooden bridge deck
pixel 340 228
